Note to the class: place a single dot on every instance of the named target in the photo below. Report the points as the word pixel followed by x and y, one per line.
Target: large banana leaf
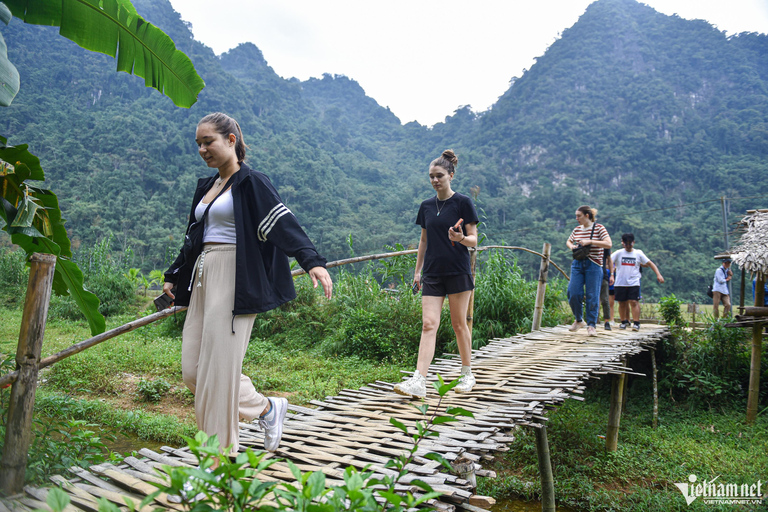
pixel 31 215
pixel 9 75
pixel 114 27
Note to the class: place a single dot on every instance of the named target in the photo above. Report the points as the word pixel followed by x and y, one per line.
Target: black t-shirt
pixel 442 258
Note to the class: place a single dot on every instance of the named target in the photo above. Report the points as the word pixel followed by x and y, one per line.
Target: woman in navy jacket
pixel 242 270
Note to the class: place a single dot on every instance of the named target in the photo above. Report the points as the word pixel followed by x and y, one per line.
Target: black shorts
pixel 625 293
pixel 440 286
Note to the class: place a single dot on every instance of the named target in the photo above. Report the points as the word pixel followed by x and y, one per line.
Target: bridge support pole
pixel 541 288
pixel 545 470
pixel 614 414
pixel 655 421
pixel 18 433
pixel 757 345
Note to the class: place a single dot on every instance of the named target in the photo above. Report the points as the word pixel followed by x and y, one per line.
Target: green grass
pixel 640 475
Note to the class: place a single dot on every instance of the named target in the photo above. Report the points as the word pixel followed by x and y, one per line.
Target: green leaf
pixel 459 411
pixel 114 27
pixel 9 75
pixel 316 484
pixel 294 470
pixel 443 419
pixel 421 485
pixel 439 458
pixel 397 423
pixel 16 155
pixel 57 499
pixel 391 497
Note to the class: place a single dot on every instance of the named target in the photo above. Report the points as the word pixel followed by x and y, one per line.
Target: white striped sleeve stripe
pixel 270 220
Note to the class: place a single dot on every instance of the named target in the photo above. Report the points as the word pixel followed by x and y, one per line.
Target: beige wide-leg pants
pixel 212 355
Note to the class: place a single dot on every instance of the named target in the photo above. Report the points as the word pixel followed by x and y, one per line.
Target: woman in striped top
pixel 588 273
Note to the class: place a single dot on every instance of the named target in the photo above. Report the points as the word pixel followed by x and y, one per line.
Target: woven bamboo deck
pixel 518 380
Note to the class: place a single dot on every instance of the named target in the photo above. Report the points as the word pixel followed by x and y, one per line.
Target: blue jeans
pixel 585 274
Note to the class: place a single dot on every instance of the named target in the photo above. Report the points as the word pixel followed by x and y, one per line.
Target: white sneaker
pixel 466 383
pixel 414 387
pixel 272 423
pixel 636 326
pixel 576 326
pixel 591 331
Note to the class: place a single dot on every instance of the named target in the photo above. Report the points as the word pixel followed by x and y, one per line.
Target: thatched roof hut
pixel 751 251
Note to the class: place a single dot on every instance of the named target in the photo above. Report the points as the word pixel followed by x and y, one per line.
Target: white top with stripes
pixel 582 233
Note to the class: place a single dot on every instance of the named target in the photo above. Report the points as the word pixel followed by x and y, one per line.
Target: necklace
pixel 437 205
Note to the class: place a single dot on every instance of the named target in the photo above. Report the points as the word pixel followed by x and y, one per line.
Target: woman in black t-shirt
pixel 443 259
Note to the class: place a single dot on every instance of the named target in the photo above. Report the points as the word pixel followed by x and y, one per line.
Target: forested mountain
pixel 630 110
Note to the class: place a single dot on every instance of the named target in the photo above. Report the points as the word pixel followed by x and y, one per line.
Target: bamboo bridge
pixel 518 380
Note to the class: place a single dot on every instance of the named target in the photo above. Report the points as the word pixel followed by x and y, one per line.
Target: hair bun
pixel 449 155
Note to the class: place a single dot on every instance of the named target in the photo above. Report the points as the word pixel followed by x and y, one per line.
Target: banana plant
pixel 30 211
pixel 115 28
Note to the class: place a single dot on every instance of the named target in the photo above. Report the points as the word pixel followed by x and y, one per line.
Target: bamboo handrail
pixel 372 257
pixel 10 378
pixel 526 250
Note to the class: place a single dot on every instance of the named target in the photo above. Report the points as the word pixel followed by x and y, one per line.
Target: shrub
pixel 669 308
pixel 153 390
pixel 707 365
pixel 116 296
pixel 504 300
pixel 378 324
pixel 13 277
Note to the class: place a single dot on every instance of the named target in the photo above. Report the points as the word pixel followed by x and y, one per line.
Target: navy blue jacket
pixel 267 234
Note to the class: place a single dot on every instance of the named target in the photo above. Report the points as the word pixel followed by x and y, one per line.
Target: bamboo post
pixel 18 434
pixel 471 307
pixel 742 290
pixel 655 422
pixel 541 288
pixel 614 414
pixel 545 470
pixel 757 343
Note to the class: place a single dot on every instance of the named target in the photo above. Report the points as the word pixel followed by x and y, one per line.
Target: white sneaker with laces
pixel 576 326
pixel 466 382
pixel 272 423
pixel 414 387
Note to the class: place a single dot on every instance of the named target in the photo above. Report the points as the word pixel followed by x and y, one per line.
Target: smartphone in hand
pixel 415 288
pixel 457 228
pixel 163 301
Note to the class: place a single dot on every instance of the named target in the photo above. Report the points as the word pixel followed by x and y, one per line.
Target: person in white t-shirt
pixel 627 262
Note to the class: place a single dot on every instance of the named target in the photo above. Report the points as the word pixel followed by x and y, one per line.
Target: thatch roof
pixel 751 251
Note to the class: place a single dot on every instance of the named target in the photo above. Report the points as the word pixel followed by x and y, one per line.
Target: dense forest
pixel 631 111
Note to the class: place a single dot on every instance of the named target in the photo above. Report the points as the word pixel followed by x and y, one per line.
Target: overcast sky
pixel 421 58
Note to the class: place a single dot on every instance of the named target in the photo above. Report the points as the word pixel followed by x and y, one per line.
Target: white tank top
pixel 220 224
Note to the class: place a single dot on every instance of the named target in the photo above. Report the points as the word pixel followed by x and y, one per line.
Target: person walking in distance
pixel 720 292
pixel 587 273
pixel 448 228
pixel 627 284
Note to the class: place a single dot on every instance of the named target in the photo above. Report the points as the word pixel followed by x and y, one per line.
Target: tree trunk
pixel 18 435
